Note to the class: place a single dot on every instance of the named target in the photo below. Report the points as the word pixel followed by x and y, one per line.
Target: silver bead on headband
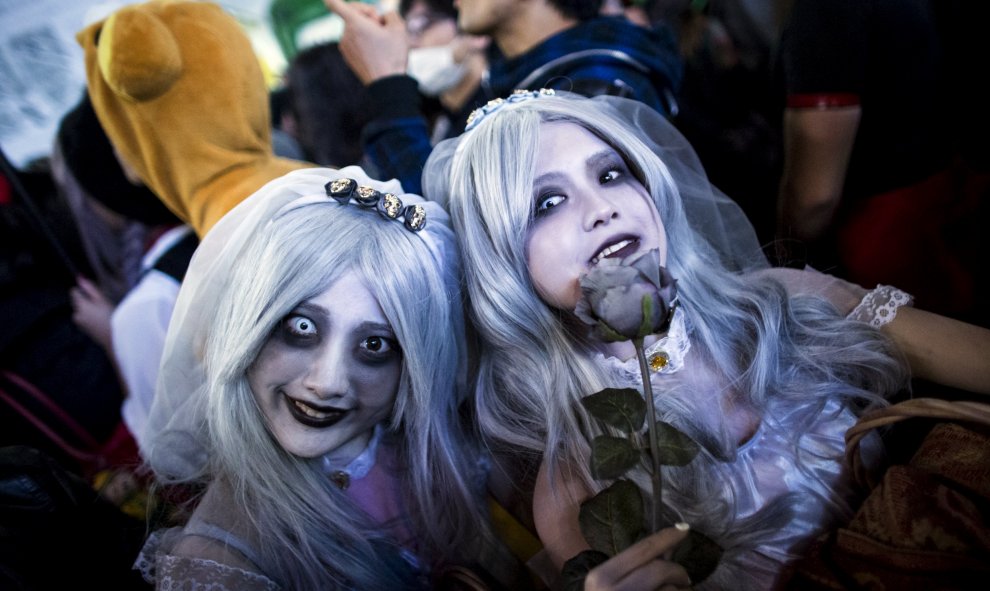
pixel 493 105
pixel 390 207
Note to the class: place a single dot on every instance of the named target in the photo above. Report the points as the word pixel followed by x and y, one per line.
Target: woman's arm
pixel 555 513
pixel 943 350
pixel 939 349
pixel 817 146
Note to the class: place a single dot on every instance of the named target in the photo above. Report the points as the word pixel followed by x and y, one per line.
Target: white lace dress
pixel 796 450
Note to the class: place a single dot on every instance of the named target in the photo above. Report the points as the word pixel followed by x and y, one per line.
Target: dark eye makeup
pixel 547 201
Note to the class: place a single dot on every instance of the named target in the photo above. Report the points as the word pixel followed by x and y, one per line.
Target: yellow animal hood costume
pixel 180 93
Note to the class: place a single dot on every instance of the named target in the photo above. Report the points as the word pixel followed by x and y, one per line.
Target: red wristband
pixel 824 100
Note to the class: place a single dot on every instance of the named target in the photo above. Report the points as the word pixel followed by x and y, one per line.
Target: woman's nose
pixel 327 374
pixel 598 210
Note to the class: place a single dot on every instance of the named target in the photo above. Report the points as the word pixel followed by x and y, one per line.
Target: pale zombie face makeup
pixel 588 206
pixel 329 372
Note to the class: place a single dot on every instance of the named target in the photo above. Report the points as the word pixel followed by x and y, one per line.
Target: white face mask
pixel 434 69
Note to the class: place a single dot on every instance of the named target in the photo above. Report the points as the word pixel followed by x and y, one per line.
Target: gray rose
pixel 628 299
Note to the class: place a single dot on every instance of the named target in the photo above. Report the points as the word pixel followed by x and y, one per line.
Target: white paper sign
pixel 41 64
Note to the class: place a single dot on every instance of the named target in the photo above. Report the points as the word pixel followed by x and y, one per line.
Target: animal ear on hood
pixel 181 94
pixel 138 55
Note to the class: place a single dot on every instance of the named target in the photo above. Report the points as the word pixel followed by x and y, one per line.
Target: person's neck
pixel 455 98
pixel 534 22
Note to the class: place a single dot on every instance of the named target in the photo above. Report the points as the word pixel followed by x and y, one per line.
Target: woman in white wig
pixel 313 376
pixel 542 189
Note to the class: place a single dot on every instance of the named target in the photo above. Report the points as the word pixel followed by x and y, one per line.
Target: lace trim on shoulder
pixel 145 563
pixel 878 307
pixel 197 574
pixel 167 571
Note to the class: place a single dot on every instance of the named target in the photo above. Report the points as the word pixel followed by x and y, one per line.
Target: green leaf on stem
pixel 613 519
pixel 675 448
pixel 622 408
pixel 698 554
pixel 611 457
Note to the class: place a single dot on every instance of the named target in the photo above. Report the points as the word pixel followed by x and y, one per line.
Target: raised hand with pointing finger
pixel 375 45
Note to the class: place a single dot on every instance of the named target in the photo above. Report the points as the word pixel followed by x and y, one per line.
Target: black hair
pixel 90 158
pixel 581 10
pixel 330 105
pixel 444 7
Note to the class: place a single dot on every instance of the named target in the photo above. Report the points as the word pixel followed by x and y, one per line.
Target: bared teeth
pixel 310 411
pixel 609 250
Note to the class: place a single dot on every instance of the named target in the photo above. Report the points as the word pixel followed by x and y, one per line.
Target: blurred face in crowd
pixel 484 17
pixel 428 28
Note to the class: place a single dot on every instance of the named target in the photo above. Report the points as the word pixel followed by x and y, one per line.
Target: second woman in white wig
pixel 541 189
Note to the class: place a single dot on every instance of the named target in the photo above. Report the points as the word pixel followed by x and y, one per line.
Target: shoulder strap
pixel 584 57
pixel 175 260
pixel 219 534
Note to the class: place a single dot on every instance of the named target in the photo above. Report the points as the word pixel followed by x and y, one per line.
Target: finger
pixel 681 527
pixel 88 288
pixel 93 293
pixel 656 574
pixel 81 299
pixel 340 7
pixel 478 43
pixel 642 552
pixel 351 12
pixel 366 10
pixel 392 19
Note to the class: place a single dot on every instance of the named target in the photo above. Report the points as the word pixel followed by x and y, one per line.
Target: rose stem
pixel 651 417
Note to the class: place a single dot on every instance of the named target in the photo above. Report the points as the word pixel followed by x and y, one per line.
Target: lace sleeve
pixel 168 571
pixel 878 307
pixel 179 572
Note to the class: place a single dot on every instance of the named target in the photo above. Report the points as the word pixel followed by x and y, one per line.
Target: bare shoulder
pixel 808 281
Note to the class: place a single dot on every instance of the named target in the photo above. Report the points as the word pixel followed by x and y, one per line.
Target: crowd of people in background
pixel 323 334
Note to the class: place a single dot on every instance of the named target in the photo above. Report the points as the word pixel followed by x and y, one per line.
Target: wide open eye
pixel 609 175
pixel 300 326
pixel 548 201
pixel 379 349
pixel 374 344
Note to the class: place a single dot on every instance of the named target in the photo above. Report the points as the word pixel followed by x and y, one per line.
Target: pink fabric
pixel 379 494
pixel 5 191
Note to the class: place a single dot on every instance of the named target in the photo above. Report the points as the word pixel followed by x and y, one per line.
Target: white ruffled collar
pixel 665 356
pixel 358 467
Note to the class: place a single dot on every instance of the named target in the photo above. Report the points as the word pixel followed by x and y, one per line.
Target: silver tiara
pixel 517 96
pixel 390 207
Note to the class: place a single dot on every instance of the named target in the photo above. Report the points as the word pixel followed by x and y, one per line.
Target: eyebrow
pixel 601 157
pixel 312 309
pixel 593 161
pixel 379 327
